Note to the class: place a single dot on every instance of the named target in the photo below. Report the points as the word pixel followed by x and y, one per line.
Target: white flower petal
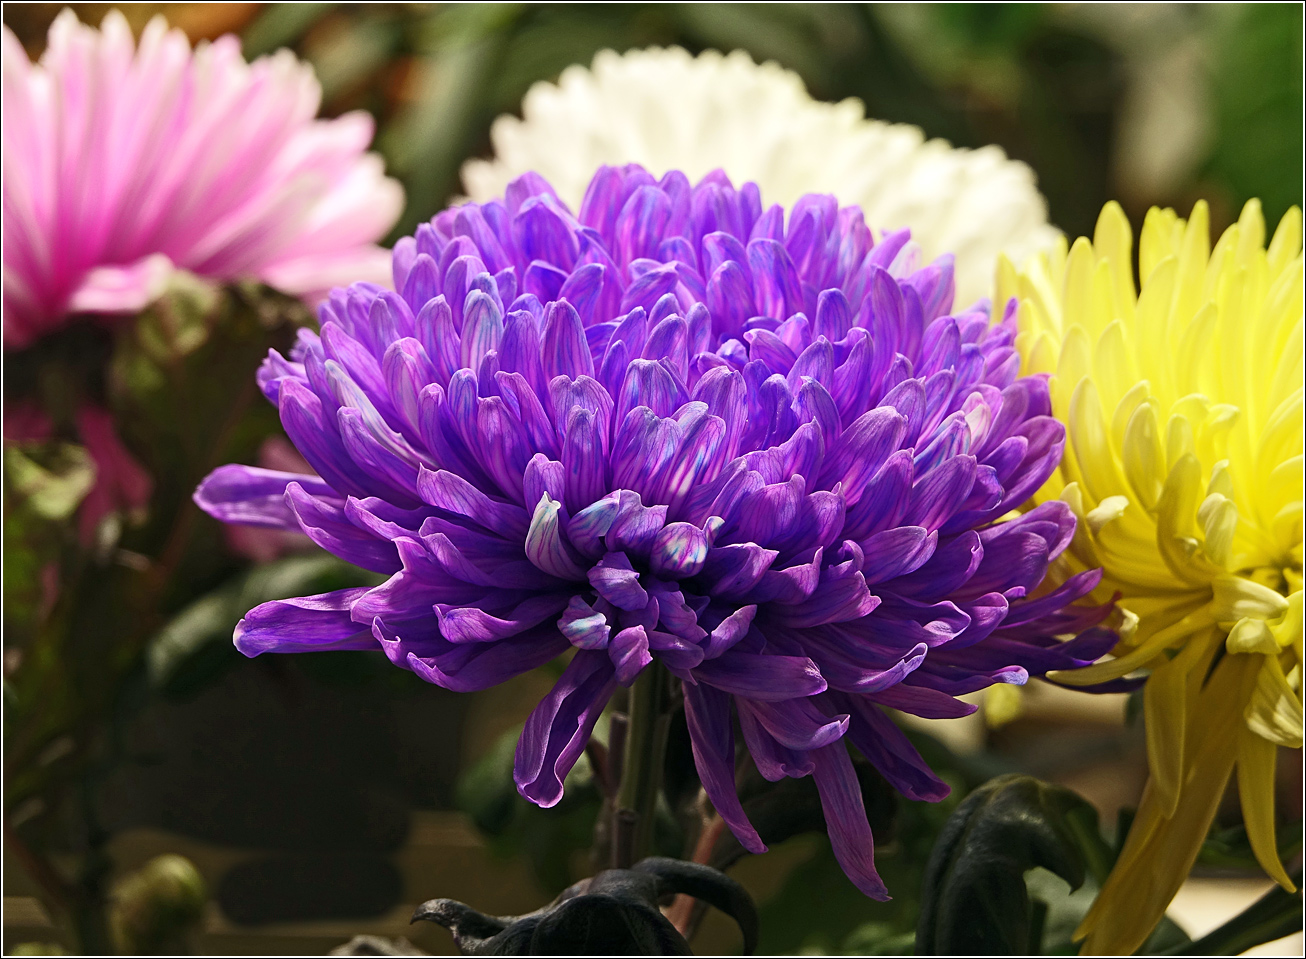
pixel 667 110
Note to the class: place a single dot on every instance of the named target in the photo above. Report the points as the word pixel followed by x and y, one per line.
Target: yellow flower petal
pixel 1185 419
pixel 1256 761
pixel 1160 850
pixel 1275 710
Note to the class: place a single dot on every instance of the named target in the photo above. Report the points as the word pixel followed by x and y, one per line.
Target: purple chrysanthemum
pixel 677 427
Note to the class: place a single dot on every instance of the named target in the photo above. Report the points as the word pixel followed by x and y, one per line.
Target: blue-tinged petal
pixel 651 384
pixel 541 233
pixel 773 760
pixel 519 349
pixel 470 222
pixel 790 585
pixel 407 371
pixel 583 392
pixel 669 340
pixel 924 702
pixel 401 262
pixel 319 442
pixel 503 450
pixel 460 279
pixel 528 185
pixel 815 404
pixel 629 653
pixel 584 626
pixel 546 546
pixel 635 527
pixel 699 457
pixel 935 286
pixel 640 225
pixel 586 529
pixel 618 582
pixel 644 444
pixel 950 567
pixel 680 549
pixel 397 474
pixel 543 281
pixel 884 503
pixel 675 651
pixel 846 665
pixel 766 347
pixel 838 598
pixel 904 622
pixel 435 331
pixel 856 378
pixel 816 361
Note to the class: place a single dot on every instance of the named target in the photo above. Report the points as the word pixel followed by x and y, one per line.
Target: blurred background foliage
pixel 300 784
pixel 1144 103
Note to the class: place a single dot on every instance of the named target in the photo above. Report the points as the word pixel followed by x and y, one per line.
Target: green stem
pixel 641 768
pixel 1273 916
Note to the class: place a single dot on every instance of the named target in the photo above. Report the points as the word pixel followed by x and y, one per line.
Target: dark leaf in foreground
pixel 974 900
pixel 613 913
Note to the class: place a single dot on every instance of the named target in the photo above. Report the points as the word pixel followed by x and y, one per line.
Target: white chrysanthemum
pixel 667 110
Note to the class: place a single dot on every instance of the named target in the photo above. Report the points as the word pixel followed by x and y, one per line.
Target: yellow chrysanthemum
pixel 1183 462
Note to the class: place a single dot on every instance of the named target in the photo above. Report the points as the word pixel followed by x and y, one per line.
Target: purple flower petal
pixel 251 496
pixel 759 448
pixel 560 726
pixel 764 678
pixel 845 817
pixel 304 624
pixel 707 712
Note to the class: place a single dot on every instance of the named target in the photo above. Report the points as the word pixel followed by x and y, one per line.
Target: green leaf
pixel 52 492
pixel 549 839
pixel 1257 93
pixel 196 644
pixel 974 899
pixel 281 25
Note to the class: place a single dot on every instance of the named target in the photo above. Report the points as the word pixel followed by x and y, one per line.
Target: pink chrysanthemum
pixel 124 162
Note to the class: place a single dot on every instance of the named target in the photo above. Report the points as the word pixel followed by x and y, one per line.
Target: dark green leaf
pixel 196 644
pixel 974 899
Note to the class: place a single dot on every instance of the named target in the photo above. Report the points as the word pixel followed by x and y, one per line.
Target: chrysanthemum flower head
pixel 668 110
pixel 1184 409
pixel 677 428
pixel 124 162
